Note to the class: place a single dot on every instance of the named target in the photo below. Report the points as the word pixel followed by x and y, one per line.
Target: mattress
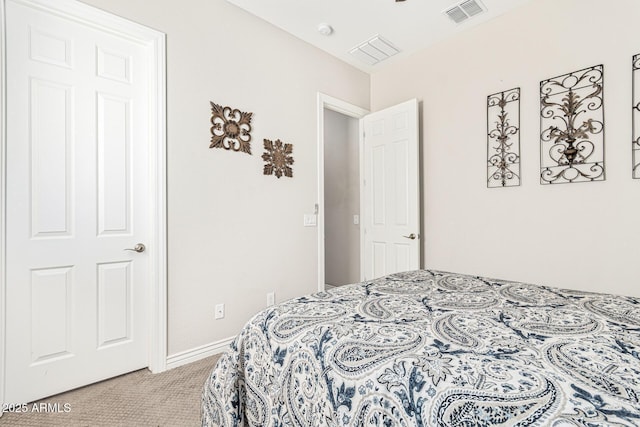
pixel 432 348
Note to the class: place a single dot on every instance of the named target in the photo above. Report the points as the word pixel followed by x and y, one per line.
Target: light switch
pixel 356 219
pixel 310 220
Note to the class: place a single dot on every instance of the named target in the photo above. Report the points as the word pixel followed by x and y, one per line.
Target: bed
pixel 432 348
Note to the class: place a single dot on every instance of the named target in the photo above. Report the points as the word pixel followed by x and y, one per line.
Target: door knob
pixel 137 248
pixel 411 236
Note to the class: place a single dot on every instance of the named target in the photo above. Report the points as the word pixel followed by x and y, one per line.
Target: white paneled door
pixel 77 197
pixel 391 202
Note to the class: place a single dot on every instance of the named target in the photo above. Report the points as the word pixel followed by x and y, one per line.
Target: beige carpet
pixel 140 398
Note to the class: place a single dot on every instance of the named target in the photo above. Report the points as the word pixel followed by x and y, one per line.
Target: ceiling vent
pixel 374 50
pixel 462 11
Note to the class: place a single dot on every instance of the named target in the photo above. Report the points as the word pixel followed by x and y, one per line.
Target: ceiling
pixel 409 25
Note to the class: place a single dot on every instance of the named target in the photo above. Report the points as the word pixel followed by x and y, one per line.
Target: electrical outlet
pixel 219 313
pixel 271 299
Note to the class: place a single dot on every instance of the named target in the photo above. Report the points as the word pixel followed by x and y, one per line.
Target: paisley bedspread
pixel 430 348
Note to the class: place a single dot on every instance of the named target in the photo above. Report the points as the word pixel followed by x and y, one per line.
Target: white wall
pixel 235 234
pixel 342 198
pixel 582 235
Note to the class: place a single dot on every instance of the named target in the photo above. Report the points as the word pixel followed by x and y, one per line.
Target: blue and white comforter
pixel 430 348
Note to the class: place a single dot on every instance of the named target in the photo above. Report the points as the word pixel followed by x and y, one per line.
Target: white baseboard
pixel 198 353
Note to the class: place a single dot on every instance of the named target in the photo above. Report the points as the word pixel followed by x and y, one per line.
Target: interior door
pixel 391 202
pixel 77 198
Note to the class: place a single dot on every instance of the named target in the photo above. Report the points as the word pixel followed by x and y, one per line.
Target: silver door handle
pixel 411 236
pixel 137 248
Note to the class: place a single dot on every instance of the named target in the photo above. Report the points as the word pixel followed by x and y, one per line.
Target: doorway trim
pixel 342 107
pixel 155 42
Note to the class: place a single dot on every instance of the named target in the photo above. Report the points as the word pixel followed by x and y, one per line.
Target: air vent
pixel 374 50
pixel 462 11
pixel 471 7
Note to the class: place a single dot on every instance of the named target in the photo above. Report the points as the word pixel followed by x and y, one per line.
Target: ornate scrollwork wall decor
pixel 503 139
pixel 230 129
pixel 278 158
pixel 572 127
pixel 635 148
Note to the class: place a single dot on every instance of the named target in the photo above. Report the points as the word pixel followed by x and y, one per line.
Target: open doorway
pixel 390 202
pixel 339 159
pixel 341 199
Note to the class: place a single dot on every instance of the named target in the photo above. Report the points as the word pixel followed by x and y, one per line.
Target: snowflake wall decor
pixel 278 159
pixel 230 129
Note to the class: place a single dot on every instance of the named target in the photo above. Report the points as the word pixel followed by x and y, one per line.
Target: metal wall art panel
pixel 230 129
pixel 278 158
pixel 635 148
pixel 572 127
pixel 503 139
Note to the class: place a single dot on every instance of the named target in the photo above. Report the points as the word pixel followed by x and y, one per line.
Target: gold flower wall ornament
pixel 278 159
pixel 230 129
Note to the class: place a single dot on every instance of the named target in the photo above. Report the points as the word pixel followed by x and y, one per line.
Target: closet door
pixel 77 198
